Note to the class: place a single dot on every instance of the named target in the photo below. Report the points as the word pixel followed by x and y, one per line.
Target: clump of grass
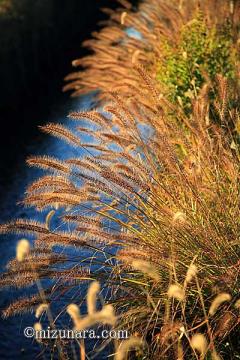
pixel 211 37
pixel 153 202
pixel 162 224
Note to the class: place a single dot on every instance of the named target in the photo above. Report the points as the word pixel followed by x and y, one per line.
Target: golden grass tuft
pixel 176 292
pixel 199 343
pixel 41 309
pixel 219 299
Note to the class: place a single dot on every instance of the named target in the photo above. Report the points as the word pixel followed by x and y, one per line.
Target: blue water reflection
pixel 13 343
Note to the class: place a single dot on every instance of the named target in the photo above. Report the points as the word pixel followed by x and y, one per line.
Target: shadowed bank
pixel 38 41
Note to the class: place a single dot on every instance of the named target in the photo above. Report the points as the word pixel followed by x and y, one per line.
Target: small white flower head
pixel 22 249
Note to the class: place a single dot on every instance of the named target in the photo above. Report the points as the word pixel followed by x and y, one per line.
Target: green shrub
pixel 200 53
pixel 5 5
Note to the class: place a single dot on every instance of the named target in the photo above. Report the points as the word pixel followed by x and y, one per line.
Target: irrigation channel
pixel 14 345
pixel 22 109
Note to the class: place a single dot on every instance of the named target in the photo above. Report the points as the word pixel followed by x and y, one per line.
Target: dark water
pixel 22 109
pixel 38 41
pixel 13 343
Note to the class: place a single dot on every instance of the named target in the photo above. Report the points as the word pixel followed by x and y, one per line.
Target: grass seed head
pixel 93 290
pixel 146 268
pixel 237 304
pixel 179 218
pixel 191 273
pixel 22 250
pixel 199 343
pixel 175 291
pixel 41 309
pixel 38 328
pixel 126 346
pixel 219 299
pixel 74 312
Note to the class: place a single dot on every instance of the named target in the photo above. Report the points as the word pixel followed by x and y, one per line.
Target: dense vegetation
pixel 151 208
pixel 202 52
